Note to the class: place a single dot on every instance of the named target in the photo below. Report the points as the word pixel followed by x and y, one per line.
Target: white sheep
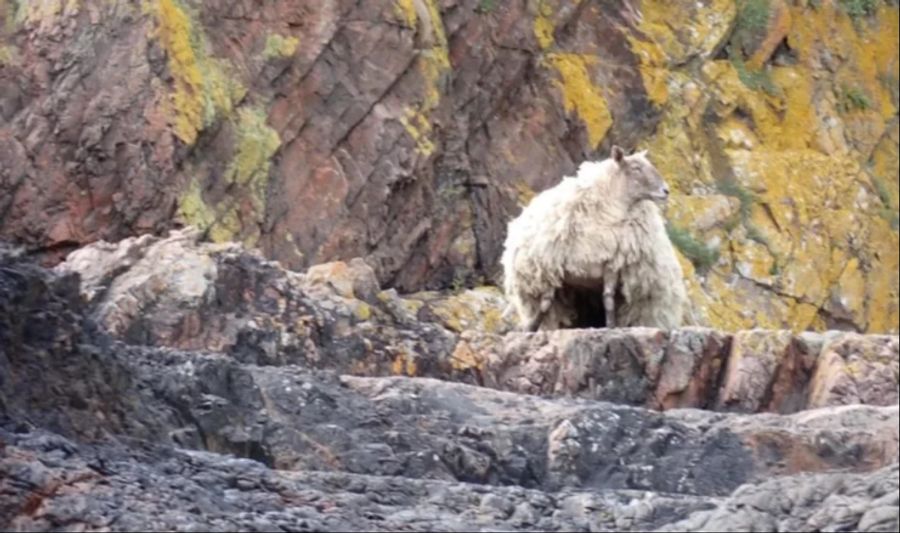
pixel 593 251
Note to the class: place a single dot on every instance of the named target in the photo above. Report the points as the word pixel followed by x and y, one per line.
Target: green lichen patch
pixel 750 24
pixel 702 256
pixel 193 209
pixel 486 6
pixel 730 187
pixel 279 46
pixel 241 212
pixel 255 144
pixel 859 8
pixel 756 79
pixel 853 99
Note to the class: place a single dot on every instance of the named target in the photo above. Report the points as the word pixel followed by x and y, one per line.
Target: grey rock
pixel 98 432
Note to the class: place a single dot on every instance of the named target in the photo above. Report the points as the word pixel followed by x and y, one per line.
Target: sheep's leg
pixel 610 279
pixel 535 322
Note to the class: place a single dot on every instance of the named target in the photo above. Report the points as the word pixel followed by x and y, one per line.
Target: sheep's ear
pixel 618 154
pixel 642 153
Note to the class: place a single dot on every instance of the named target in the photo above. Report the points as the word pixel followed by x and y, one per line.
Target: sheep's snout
pixel 662 194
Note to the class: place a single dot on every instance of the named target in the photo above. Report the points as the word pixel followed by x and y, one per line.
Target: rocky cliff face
pixel 174 384
pixel 407 133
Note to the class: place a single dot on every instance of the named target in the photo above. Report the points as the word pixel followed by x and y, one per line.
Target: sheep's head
pixel 644 182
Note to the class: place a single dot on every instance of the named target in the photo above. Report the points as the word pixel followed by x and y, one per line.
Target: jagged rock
pixel 408 133
pixel 59 483
pixel 182 382
pixel 820 502
pixel 378 453
pixel 856 369
pixel 355 279
pixel 186 294
pixel 750 371
pixel 182 293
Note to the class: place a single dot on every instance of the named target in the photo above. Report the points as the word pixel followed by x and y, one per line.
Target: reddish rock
pixel 766 371
pixel 819 440
pixel 857 369
pixel 691 368
pixel 399 138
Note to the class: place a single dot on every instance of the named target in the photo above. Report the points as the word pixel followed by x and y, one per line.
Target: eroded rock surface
pixel 183 293
pixel 409 132
pixel 114 414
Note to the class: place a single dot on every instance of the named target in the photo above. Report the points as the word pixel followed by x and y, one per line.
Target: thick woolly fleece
pixel 583 227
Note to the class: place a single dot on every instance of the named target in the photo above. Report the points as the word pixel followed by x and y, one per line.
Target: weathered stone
pixel 857 369
pixel 408 133
pixel 805 503
pixel 185 294
pixel 766 370
pixel 181 293
pixel 751 371
pixel 97 433
pixel 350 280
pixel 691 368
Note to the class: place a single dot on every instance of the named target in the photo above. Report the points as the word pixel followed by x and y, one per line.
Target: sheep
pixel 593 251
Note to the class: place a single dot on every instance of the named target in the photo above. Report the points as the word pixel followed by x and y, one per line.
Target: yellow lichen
pixel 715 303
pixel 437 25
pixel 455 314
pixel 280 46
pixel 678 149
pixel 406 10
pixel 433 64
pixel 248 172
pixel 412 306
pixel 778 25
pixel 817 219
pixel 850 290
pixel 580 94
pixel 684 29
pixel 651 64
pixel 867 54
pixel 227 227
pixel 362 311
pixel 671 32
pixel 221 225
pixel 384 296
pixel 9 55
pixel 476 309
pixel 885 170
pixel 882 292
pixel 202 88
pixel 784 121
pixel 654 75
pixel 419 128
pixel 256 143
pixel 492 319
pixel 543 25
pixel 193 209
pixel 464 358
pixel 404 364
pixel 802 317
